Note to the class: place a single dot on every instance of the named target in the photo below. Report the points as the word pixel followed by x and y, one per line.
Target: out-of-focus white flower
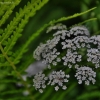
pixel 25 93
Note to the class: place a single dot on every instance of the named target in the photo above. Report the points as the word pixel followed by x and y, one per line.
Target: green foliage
pixel 15 57
pixel 89 95
pixel 7 10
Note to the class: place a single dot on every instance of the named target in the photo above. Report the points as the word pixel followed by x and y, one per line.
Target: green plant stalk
pixel 17 73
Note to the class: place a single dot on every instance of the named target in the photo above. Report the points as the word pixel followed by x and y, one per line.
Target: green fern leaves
pixel 7 10
pixel 10 35
pixel 13 31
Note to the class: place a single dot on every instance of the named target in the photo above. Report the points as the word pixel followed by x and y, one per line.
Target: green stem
pixel 17 73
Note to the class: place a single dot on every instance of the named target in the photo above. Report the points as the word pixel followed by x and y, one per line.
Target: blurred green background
pixel 55 9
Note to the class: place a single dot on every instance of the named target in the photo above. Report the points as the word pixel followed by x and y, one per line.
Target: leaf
pixel 89 95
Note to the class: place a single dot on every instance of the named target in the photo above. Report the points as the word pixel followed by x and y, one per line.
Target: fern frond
pixel 23 49
pixel 14 68
pixel 1 32
pixel 4 8
pixel 11 41
pixel 17 33
pixel 2 59
pixel 88 20
pixel 7 10
pixel 28 10
pixel 4 64
pixel 70 17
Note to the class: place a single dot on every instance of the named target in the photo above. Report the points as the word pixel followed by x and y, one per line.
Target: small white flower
pixel 26 93
pixel 83 44
pixel 97 65
pixel 58 60
pixel 76 66
pixel 64 87
pixel 65 63
pixel 49 67
pixel 98 38
pixel 80 82
pixel 40 90
pixel 54 63
pixel 88 46
pixel 56 88
pixel 69 65
pixel 87 82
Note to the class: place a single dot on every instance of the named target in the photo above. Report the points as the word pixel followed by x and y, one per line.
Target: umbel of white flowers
pixel 70 42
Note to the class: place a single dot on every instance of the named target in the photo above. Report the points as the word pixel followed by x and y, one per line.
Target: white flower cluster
pixel 38 51
pixel 94 57
pixel 55 78
pixel 39 81
pixel 68 44
pixel 79 30
pixel 85 74
pixel 95 40
pixel 48 52
pixel 71 58
pixel 58 78
pixel 70 48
